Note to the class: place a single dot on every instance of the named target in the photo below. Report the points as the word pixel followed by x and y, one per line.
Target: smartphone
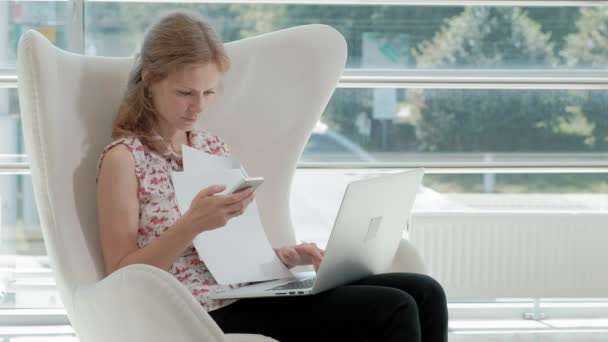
pixel 249 182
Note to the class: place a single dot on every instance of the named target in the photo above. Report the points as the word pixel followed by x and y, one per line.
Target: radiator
pixel 514 254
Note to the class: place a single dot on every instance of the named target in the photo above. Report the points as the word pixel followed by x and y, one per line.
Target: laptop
pixel 367 231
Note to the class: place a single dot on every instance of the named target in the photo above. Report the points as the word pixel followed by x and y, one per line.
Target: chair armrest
pixel 407 259
pixel 141 303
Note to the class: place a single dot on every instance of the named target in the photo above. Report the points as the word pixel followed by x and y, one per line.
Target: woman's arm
pixel 118 215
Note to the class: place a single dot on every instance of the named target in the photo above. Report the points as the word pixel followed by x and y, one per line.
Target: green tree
pixel 490 120
pixel 419 23
pixel 588 48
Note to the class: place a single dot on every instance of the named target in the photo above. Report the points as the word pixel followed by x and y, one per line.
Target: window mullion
pixel 75 26
pixel 493 3
pixel 475 79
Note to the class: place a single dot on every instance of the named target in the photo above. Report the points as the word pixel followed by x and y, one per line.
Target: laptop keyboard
pixel 294 285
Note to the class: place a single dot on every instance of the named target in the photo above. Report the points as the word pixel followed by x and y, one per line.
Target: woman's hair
pixel 175 40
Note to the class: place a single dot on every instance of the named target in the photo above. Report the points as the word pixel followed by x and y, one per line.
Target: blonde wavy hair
pixel 177 39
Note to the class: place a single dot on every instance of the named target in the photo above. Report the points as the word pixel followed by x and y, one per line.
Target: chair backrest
pixel 275 92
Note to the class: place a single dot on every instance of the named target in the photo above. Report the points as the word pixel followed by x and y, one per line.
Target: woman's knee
pixel 426 289
pixel 432 286
pixel 403 322
pixel 436 290
pixel 400 302
pixel 434 297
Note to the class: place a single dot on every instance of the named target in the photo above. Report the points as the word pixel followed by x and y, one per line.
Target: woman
pixel 176 75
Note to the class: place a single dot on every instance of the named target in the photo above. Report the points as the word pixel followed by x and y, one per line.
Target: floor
pixel 590 330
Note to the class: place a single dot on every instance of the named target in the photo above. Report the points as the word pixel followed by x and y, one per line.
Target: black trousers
pixel 392 307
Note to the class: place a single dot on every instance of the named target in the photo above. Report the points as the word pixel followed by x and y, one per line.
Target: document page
pixel 240 251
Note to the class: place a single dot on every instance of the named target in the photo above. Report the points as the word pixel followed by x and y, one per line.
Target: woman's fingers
pixel 211 190
pixel 292 255
pixel 238 208
pixel 238 197
pixel 289 256
pixel 316 266
pixel 312 252
pixel 316 253
pixel 302 254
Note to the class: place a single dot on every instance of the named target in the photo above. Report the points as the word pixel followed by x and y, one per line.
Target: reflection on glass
pixel 422 37
pixel 17 17
pixel 465 125
pixel 395 124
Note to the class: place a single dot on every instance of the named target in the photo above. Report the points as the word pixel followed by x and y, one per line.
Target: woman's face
pixel 183 95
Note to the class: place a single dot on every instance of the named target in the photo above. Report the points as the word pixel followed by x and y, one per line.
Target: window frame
pixel 405 79
pixel 441 79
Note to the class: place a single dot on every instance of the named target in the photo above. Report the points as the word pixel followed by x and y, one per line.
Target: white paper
pixel 240 251
pixel 194 159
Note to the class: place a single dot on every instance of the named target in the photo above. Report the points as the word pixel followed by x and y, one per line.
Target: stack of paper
pixel 240 251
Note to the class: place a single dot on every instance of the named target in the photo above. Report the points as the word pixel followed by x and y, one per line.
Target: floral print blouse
pixel 158 210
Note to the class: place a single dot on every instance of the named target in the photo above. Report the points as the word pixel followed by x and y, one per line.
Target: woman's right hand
pixel 211 211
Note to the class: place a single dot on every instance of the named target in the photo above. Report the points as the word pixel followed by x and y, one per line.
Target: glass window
pixel 16 17
pixel 389 37
pixel 359 124
pixel 25 273
pixel 421 124
pixel 314 212
pixel 11 137
pixel 551 184
pixel 396 125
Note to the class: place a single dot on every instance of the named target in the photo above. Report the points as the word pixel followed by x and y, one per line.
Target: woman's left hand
pixel 302 254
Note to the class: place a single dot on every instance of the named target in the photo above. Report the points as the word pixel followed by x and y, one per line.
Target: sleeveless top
pixel 158 210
